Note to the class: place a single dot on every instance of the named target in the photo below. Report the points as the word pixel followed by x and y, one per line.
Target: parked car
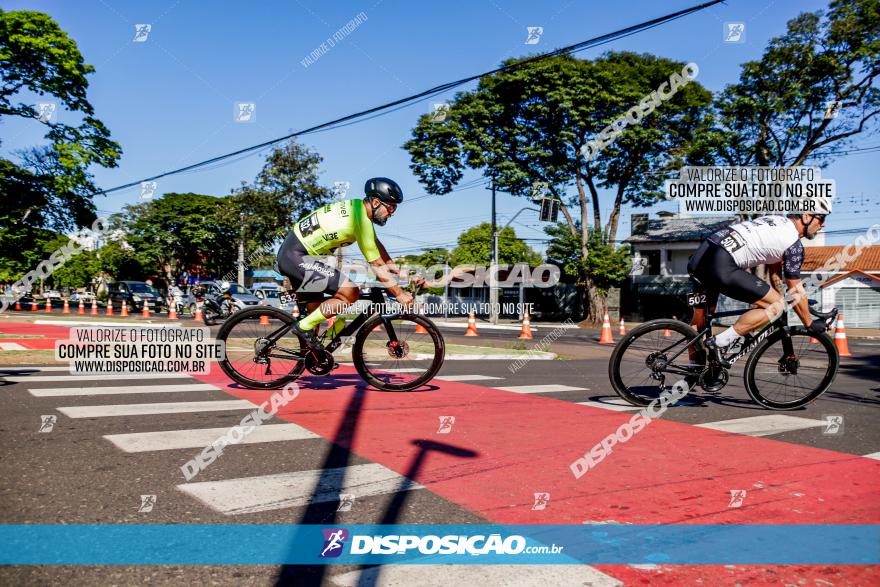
pixel 86 297
pixel 241 296
pixel 268 293
pixel 136 294
pixel 52 294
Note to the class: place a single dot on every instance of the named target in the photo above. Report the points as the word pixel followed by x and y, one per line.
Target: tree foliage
pixel 813 86
pixel 475 248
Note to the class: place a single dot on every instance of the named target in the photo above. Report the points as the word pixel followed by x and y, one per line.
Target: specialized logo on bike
pixel 753 344
pixel 309 225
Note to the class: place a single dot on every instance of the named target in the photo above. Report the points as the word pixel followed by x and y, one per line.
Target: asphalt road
pixel 514 435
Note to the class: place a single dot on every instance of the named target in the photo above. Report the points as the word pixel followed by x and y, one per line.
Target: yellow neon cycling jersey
pixel 338 225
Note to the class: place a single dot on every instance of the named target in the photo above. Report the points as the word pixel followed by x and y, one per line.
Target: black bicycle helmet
pixel 385 189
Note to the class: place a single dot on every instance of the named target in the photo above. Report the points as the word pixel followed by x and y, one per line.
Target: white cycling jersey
pixel 764 240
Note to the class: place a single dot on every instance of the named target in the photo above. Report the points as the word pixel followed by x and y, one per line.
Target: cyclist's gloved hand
pixel 818 327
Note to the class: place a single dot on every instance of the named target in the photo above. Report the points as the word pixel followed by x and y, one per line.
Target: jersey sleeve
pixel 792 260
pixel 366 234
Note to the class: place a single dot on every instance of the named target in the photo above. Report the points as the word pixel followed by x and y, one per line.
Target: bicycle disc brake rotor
pixel 789 365
pixel 397 349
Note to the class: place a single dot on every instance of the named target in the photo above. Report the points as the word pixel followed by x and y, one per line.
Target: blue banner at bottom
pixel 142 544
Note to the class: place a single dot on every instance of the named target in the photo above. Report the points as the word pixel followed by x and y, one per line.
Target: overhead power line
pixel 570 49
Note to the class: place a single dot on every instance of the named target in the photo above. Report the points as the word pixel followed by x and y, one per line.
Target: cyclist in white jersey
pixel 721 261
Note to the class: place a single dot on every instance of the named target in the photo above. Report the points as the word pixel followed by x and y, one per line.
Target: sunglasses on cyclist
pixel 820 218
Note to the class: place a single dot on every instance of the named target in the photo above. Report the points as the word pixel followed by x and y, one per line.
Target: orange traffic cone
pixel 526 332
pixel 472 325
pixel 840 338
pixel 34 306
pixel 17 305
pixel 172 310
pixel 264 319
pixel 666 333
pixel 66 309
pixel 419 328
pixel 109 311
pixel 622 330
pixel 124 308
pixel 82 307
pixel 198 315
pixel 605 337
pixel 146 310
pixel 296 311
pixel 48 305
pixel 94 311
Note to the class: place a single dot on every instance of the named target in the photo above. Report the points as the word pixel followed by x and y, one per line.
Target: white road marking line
pixel 159 408
pixel 120 389
pixel 617 405
pixel 763 425
pixel 96 377
pixel 550 388
pixel 466 377
pixel 873 455
pixel 40 368
pixel 198 438
pixel 286 490
pixel 409 370
pixel 11 346
pixel 108 323
pixel 441 575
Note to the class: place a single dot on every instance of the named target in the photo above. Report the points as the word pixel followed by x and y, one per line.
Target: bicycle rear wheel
pixel 779 381
pixel 250 360
pixel 634 365
pixel 392 356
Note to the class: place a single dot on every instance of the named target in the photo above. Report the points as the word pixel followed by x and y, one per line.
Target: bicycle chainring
pixel 713 379
pixel 319 362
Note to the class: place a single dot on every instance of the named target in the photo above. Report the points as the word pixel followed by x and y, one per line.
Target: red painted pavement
pixel 669 473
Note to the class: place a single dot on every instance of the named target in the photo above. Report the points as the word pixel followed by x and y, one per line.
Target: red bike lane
pixel 669 473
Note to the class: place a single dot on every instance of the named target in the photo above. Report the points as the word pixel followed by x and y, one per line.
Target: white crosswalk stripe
pixel 201 437
pixel 549 388
pixel 40 368
pixel 763 425
pixel 157 408
pixel 286 490
pixel 441 575
pixel 97 377
pixel 614 404
pixel 119 389
pixel 466 377
pixel 873 455
pixel 11 346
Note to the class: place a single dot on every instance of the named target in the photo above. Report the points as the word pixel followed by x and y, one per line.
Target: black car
pixel 135 294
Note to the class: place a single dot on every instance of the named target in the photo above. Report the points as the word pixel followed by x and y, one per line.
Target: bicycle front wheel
pixel 394 354
pixel 251 359
pixel 778 380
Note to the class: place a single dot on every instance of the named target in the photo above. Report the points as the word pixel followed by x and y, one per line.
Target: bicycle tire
pixel 249 314
pixel 357 353
pixel 643 329
pixel 752 363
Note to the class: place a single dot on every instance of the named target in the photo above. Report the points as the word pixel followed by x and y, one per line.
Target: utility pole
pixel 493 285
pixel 241 252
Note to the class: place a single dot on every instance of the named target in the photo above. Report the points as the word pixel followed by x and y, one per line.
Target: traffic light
pixel 549 209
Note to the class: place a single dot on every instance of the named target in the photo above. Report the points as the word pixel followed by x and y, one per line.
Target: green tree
pixel 529 124
pixel 177 230
pixel 608 266
pixel 37 57
pixel 813 86
pixel 286 189
pixel 475 248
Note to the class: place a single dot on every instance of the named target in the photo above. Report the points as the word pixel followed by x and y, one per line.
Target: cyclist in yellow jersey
pixel 338 225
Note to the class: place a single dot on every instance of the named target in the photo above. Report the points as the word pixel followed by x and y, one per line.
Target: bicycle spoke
pixel 274 363
pixel 779 385
pixel 398 364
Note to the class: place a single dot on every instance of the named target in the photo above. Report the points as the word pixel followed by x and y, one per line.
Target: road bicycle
pixel 388 348
pixel 788 367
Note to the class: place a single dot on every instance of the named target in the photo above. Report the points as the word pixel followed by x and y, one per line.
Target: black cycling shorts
pixel 306 274
pixel 718 272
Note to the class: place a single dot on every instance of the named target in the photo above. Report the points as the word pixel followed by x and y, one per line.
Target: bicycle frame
pixel 375 296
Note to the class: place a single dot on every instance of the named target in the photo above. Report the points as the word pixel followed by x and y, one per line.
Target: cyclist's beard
pixel 380 218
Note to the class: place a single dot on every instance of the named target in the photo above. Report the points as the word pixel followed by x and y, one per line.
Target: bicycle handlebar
pixel 828 317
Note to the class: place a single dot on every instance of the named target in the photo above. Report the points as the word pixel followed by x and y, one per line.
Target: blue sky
pixel 170 100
